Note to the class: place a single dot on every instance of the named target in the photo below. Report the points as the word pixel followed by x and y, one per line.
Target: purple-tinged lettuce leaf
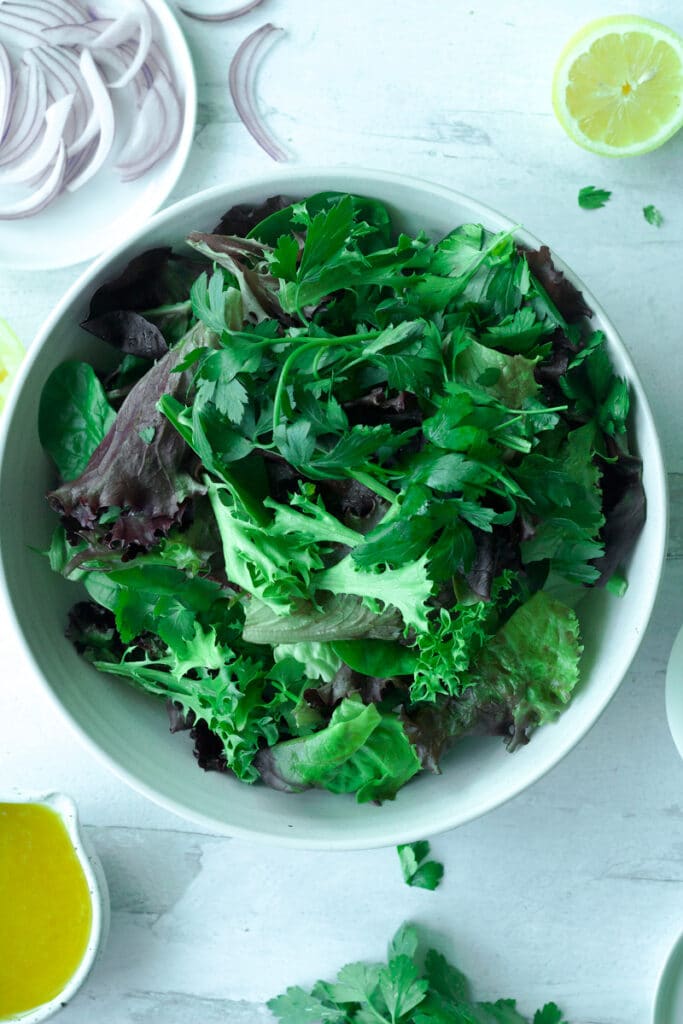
pixel 241 219
pixel 154 278
pixel 564 295
pixel 149 481
pixel 624 506
pixel 128 331
pixel 246 260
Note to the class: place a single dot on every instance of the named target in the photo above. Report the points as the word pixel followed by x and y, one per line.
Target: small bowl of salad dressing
pixel 54 905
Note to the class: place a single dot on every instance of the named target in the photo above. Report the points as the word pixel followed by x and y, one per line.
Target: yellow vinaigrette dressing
pixel 45 907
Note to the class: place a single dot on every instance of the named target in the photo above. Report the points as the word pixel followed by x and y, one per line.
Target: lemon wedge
pixel 11 354
pixel 618 85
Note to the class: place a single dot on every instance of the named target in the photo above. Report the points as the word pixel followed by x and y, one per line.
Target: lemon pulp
pixel 618 86
pixel 45 907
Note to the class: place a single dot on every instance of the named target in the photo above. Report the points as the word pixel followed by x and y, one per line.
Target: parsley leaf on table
pixel 417 871
pixel 404 991
pixel 592 198
pixel 653 216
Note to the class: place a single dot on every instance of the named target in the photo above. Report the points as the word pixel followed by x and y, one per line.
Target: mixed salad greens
pixel 322 503
pixel 408 989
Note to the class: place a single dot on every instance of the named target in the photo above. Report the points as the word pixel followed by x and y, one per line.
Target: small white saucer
pixel 66 809
pixel 674 696
pixel 80 225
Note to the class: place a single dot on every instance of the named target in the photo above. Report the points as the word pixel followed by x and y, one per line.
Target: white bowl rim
pixel 65 808
pixel 672 966
pixel 359 180
pixel 183 66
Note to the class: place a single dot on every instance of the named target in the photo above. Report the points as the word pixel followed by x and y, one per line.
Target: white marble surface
pixel 574 891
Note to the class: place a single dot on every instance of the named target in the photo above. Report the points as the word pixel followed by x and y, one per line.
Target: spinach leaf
pixel 74 416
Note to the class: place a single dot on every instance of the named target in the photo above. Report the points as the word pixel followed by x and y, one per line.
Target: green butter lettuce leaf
pixel 529 669
pixel 73 417
pixel 360 751
pixel 509 378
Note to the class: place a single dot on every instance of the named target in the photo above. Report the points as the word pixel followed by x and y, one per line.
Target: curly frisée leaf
pixel 209 682
pixel 361 751
pixel 407 588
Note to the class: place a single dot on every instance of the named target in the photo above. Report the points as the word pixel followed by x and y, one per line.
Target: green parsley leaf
pixel 417 871
pixel 296 1006
pixel 592 198
pixel 401 986
pixel 550 1014
pixel 653 216
pixel 401 993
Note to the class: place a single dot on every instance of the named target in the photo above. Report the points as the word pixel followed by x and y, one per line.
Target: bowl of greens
pixel 333 509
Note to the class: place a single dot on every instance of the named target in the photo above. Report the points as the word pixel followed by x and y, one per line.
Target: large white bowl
pixel 129 731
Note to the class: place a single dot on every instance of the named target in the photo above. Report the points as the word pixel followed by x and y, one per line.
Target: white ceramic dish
pixel 669 999
pixel 674 693
pixel 99 898
pixel 78 226
pixel 129 730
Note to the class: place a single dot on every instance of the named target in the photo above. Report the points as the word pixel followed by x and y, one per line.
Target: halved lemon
pixel 11 354
pixel 618 85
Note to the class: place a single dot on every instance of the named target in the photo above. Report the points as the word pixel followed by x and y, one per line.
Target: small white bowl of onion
pixel 97 112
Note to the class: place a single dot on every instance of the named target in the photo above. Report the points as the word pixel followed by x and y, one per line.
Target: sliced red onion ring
pixel 44 195
pixel 147 132
pixel 64 78
pixel 43 155
pixel 76 164
pixel 242 80
pixel 105 113
pixel 36 13
pixel 27 118
pixel 134 21
pixel 160 125
pixel 69 35
pixel 6 90
pixel 54 12
pixel 236 12
pixel 19 30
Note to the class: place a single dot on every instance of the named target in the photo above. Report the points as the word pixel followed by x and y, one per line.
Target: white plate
pixel 669 1000
pixel 80 225
pixel 674 695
